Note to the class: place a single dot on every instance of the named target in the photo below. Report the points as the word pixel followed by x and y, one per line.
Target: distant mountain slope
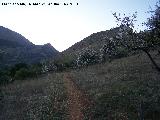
pixel 94 41
pixel 14 48
pixel 15 38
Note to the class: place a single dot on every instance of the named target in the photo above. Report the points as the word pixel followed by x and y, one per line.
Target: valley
pixel 109 75
pixel 115 90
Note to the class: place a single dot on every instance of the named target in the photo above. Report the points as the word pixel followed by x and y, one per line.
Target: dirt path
pixel 78 102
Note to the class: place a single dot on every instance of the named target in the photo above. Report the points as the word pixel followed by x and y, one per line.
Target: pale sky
pixel 61 25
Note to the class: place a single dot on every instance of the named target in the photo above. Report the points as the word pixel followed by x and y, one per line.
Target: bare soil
pixel 78 101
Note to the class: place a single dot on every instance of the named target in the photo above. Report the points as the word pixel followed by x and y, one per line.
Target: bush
pixel 17 67
pixel 24 73
pixel 4 78
pixel 48 66
pixel 36 68
pixel 88 57
pixel 65 62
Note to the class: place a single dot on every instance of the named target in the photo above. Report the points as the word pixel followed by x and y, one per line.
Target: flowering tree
pixel 48 66
pixel 142 40
pixel 113 49
pixel 87 57
pixel 153 25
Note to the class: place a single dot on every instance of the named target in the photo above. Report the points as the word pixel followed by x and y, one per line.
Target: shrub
pixel 24 73
pixel 87 57
pixel 48 66
pixel 4 78
pixel 17 67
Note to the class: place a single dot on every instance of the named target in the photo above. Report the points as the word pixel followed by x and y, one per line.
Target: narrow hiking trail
pixel 78 102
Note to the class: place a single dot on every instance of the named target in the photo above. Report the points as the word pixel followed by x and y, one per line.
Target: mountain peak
pixel 48 44
pixel 16 48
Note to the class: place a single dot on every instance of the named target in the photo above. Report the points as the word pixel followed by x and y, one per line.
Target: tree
pixel 142 40
pixel 112 49
pixel 153 25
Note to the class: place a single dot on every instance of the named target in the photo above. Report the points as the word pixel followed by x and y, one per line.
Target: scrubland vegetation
pixel 41 98
pixel 125 88
pixel 121 78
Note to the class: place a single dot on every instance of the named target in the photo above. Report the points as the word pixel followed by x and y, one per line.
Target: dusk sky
pixel 61 25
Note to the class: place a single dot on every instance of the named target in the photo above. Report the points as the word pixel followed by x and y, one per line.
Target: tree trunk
pixel 152 60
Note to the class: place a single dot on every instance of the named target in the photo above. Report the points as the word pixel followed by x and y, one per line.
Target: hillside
pixel 124 89
pixel 7 35
pixel 14 48
pixel 94 41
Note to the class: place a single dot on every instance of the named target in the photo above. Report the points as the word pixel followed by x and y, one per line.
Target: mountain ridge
pixel 15 48
pixel 95 42
pixel 10 35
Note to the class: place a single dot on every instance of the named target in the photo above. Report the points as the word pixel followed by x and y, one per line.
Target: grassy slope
pixel 41 99
pixel 116 88
pixel 120 86
pixel 95 42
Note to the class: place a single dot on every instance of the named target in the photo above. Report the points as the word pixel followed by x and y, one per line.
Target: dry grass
pixel 39 99
pixel 45 98
pixel 120 84
pixel 125 70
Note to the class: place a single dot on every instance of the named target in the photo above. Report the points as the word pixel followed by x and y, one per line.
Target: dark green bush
pixel 4 77
pixel 17 67
pixel 22 73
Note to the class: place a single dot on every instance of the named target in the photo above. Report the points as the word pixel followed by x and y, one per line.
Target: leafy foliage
pixel 112 49
pixel 22 73
pixel 4 77
pixel 87 57
pixel 19 71
pixel 17 67
pixel 48 66
pixel 137 41
pixel 154 23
